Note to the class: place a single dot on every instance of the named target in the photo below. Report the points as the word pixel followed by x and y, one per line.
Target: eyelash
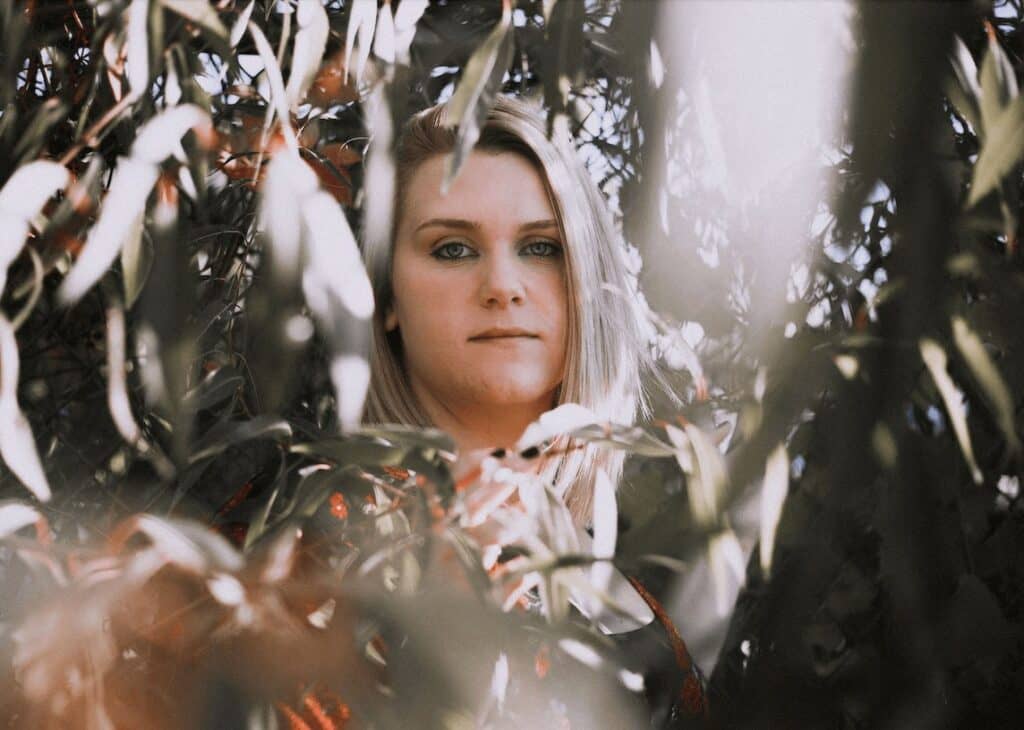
pixel 551 248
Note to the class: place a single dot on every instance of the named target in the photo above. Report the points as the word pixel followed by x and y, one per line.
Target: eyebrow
pixel 467 225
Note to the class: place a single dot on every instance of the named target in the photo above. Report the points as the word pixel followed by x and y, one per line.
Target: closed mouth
pixel 504 334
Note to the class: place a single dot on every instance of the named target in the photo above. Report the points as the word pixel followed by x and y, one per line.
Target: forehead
pixel 503 187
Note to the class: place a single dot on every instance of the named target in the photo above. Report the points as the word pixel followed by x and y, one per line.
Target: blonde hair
pixel 604 351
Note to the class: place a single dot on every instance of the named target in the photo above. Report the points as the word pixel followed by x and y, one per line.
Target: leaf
pixel 201 13
pixel 137 46
pixel 15 516
pixel 474 95
pixel 278 97
pixel 773 496
pixel 136 261
pixel 351 377
pixel 308 49
pixel 406 17
pixel 117 383
pixel 606 529
pixel 189 545
pixel 362 21
pixel 988 377
pixel 564 419
pixel 998 83
pixel 132 182
pixel 17 445
pixel 384 39
pixel 1002 151
pixel 966 93
pixel 21 199
pixel 238 29
pixel 935 359
pixel 236 432
pixel 288 181
pixel 335 263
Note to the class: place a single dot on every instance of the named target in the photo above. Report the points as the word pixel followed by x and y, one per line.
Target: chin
pixel 517 391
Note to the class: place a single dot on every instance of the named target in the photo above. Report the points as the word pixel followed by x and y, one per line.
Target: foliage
pixel 184 336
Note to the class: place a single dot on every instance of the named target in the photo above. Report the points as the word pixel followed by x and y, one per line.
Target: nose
pixel 502 283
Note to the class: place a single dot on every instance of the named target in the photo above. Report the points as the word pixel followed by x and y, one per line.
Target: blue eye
pixel 543 249
pixel 452 251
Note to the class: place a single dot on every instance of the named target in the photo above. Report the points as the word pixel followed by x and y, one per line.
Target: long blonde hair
pixel 604 351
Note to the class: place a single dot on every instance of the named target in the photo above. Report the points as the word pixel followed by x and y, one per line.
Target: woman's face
pixel 479 286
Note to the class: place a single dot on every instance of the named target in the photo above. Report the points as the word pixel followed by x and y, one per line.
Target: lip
pixel 504 333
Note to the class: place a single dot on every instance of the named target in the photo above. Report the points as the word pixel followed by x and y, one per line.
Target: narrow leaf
pixel 998 82
pixel 278 97
pixel 606 529
pixel 474 95
pixel 564 419
pixel 384 40
pixel 21 199
pixel 201 13
pixel 935 359
pixel 988 377
pixel 406 17
pixel 310 42
pixel 362 21
pixel 117 383
pixel 137 45
pixel 1002 151
pixel 351 377
pixel 16 515
pixel 17 445
pixel 136 261
pixel 773 495
pixel 238 29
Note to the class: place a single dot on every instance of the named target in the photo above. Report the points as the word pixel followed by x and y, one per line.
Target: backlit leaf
pixel 1002 151
pixel 564 419
pixel 384 39
pixel 308 49
pixel 998 83
pixel 935 359
pixel 238 29
pixel 117 384
pixel 407 16
pixel 988 377
pixel 137 44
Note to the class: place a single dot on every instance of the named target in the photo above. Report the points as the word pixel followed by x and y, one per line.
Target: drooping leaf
pixel 136 65
pixel 237 432
pixel 308 49
pixel 407 16
pixel 988 377
pixel 278 96
pixel 351 377
pixel 130 187
pixel 136 261
pixel 200 12
pixel 474 96
pixel 21 199
pixel 362 21
pixel 964 91
pixel 238 29
pixel 117 383
pixel 606 530
pixel 384 39
pixel 773 496
pixel 1002 151
pixel 935 359
pixel 998 83
pixel 16 515
pixel 17 445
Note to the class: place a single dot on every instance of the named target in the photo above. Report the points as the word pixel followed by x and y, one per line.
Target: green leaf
pixel 136 262
pixel 1003 150
pixel 988 377
pixel 935 359
pixel 474 96
pixel 773 495
pixel 236 432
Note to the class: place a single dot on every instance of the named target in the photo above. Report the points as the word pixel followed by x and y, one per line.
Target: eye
pixel 452 251
pixel 542 249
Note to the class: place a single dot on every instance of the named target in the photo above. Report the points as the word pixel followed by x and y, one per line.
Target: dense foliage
pixel 210 539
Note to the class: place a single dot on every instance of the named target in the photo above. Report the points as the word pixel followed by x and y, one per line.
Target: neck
pixel 480 426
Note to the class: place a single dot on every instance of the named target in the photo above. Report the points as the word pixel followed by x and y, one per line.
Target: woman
pixel 504 297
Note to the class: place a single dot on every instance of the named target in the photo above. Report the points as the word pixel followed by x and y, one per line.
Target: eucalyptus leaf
pixel 472 100
pixel 236 432
pixel 1002 151
pixel 988 377
pixel 935 359
pixel 200 12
